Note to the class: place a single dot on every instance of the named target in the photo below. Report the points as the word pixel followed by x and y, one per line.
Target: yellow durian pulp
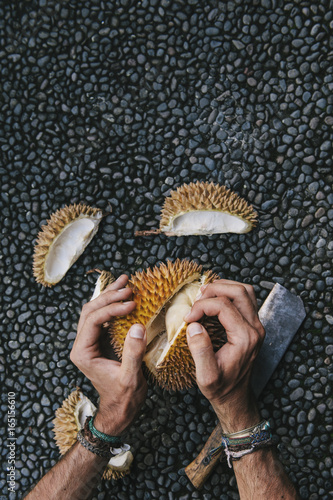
pixel 62 240
pixel 164 295
pixel 70 419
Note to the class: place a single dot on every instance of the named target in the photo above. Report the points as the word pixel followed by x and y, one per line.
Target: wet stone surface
pixel 116 103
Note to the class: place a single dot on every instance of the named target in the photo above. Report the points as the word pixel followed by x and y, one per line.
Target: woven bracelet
pixel 244 442
pixel 106 438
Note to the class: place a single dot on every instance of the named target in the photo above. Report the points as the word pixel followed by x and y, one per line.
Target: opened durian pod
pixel 70 419
pixel 164 295
pixel 62 240
pixel 204 208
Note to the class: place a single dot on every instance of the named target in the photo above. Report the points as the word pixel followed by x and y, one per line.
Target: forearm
pixel 74 477
pixel 260 475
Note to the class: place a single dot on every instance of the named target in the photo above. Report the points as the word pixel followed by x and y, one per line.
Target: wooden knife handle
pixel 198 470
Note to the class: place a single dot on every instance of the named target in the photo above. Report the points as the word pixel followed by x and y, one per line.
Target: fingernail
pixel 187 316
pixel 198 297
pixel 122 289
pixel 194 329
pixel 203 288
pixel 137 332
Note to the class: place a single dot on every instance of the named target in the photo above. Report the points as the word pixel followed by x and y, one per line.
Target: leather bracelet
pixel 94 449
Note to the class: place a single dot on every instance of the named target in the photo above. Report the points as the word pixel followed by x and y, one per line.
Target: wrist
pixel 236 413
pixel 105 422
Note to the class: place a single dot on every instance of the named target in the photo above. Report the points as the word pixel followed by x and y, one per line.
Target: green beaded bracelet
pixel 103 437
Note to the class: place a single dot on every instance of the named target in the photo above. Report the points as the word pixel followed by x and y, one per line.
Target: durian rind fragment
pixel 57 232
pixel 69 420
pixel 212 204
pixel 104 279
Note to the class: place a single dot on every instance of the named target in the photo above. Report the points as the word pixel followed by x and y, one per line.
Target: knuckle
pixel 91 317
pixel 249 288
pixel 223 300
pixel 210 381
pixel 86 308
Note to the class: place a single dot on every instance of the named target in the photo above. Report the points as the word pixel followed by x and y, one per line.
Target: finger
pixel 133 352
pixel 120 282
pixel 227 313
pixel 239 295
pixel 249 289
pixel 200 345
pixel 90 331
pixel 113 293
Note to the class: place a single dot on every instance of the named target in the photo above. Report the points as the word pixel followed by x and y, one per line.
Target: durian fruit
pixel 70 418
pixel 105 278
pixel 204 208
pixel 164 295
pixel 62 240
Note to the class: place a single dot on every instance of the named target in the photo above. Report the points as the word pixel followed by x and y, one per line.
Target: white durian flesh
pixel 62 240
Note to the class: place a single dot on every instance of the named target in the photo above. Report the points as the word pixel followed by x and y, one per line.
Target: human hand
pixel 121 386
pixel 224 377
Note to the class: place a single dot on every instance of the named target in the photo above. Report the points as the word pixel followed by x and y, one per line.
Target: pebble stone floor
pixel 115 103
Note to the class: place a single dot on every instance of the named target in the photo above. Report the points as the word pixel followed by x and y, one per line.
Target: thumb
pixel 202 352
pixel 134 350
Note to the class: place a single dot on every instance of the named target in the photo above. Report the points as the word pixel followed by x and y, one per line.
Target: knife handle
pixel 198 470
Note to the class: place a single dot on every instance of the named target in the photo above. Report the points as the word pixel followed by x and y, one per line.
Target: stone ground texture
pixel 115 104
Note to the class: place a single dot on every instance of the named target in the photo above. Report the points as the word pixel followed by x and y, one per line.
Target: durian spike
pixel 62 240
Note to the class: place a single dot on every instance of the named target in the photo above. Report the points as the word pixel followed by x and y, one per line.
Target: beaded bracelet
pixel 244 442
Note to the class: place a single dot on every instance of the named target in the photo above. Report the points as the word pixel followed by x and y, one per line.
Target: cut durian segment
pixel 204 208
pixel 164 295
pixel 62 240
pixel 70 419
pixel 104 279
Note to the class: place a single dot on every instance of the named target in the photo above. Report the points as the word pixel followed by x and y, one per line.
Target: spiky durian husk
pixel 66 429
pixel 152 288
pixel 65 425
pixel 106 278
pixel 205 196
pixel 49 232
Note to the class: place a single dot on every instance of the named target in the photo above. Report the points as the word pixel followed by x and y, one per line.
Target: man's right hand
pixel 224 377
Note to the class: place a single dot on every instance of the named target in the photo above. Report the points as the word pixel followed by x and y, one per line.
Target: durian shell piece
pixel 105 278
pixel 152 288
pixel 50 233
pixel 204 196
pixel 67 425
